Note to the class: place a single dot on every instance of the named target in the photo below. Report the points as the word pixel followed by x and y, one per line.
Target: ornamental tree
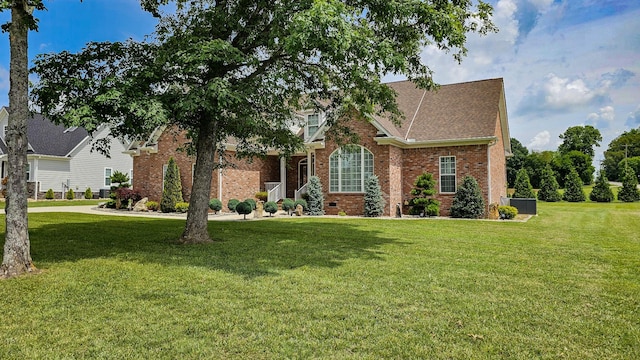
pixel 549 186
pixel 468 202
pixel 573 187
pixel 172 190
pixel 601 191
pixel 221 69
pixel 423 190
pixel 523 188
pixel 373 199
pixel 629 191
pixel 316 198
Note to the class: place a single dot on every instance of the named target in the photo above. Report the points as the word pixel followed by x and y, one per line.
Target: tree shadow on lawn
pixel 251 248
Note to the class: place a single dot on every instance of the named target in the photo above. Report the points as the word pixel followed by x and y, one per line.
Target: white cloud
pixel 540 140
pixel 602 119
pixel 633 120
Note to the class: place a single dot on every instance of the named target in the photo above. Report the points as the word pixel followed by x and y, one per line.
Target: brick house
pixel 461 129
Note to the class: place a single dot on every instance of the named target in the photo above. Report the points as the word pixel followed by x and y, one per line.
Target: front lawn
pixel 565 284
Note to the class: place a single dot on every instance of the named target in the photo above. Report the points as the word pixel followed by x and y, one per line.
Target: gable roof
pixel 458 112
pixel 47 138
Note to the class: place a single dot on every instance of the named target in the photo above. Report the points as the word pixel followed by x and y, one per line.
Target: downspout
pixel 489 170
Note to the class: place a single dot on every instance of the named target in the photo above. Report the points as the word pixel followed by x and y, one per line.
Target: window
pixel 349 168
pixel 131 177
pixel 447 174
pixel 107 177
pixel 313 123
pixel 28 171
pixel 4 131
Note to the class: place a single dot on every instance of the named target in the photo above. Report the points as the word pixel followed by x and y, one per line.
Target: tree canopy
pixel 580 138
pixel 221 69
pixel 627 144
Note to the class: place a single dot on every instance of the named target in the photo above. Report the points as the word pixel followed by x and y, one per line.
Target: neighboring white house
pixel 61 158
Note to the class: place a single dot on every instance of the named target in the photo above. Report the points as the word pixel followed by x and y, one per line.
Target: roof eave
pixel 412 144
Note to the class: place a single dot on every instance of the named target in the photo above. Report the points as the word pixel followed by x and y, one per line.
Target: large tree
pixel 222 69
pixel 17 249
pixel 580 138
pixel 627 145
pixel 516 161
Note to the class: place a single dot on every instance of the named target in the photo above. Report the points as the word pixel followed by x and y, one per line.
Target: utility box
pixel 527 206
pixel 104 193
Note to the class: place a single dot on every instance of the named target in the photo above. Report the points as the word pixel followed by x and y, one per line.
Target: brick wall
pixel 498 166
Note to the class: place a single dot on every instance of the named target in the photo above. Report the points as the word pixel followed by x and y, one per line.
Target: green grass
pixel 564 285
pixel 49 203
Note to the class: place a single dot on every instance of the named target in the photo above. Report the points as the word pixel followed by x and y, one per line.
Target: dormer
pixel 312 121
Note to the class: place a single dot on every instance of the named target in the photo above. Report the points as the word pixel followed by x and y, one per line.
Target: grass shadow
pixel 252 248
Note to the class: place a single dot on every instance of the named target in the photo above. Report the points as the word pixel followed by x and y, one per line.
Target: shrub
pixel 433 208
pixel 153 205
pixel 88 194
pixel 182 207
pixel 507 212
pixel 215 205
pixel 573 187
pixel 49 195
pixel 549 186
pixel 232 203
pixel 629 191
pixel 271 207
pixel 342 213
pixel 523 188
pixel 70 195
pixel 601 191
pixel 110 204
pixel 302 202
pixel 262 195
pixel 172 191
pixel 244 208
pixel 316 198
pixel 288 205
pixel 424 188
pixel 373 199
pixel 251 202
pixel 120 178
pixel 126 195
pixel 468 201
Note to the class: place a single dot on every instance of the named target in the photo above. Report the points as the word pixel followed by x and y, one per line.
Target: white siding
pixel 51 173
pixel 87 168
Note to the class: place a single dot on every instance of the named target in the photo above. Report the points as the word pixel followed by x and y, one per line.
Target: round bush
pixel 244 208
pixel 153 205
pixel 49 195
pixel 251 202
pixel 507 212
pixel 288 205
pixel 182 207
pixel 215 205
pixel 302 202
pixel 271 207
pixel 232 203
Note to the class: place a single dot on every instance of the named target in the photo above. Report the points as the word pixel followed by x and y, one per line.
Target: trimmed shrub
pixel 573 187
pixel 182 207
pixel 422 203
pixel 232 203
pixel 303 202
pixel 88 194
pixel 110 204
pixel 153 205
pixel 126 195
pixel 373 199
pixel 49 195
pixel 262 195
pixel 507 212
pixel 119 178
pixel 172 191
pixel 468 202
pixel 316 198
pixel 244 208
pixel 215 205
pixel 522 186
pixel 70 195
pixel 549 186
pixel 252 203
pixel 601 191
pixel 288 205
pixel 271 207
pixel 629 191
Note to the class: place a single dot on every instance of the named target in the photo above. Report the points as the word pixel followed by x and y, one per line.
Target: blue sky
pixel 564 62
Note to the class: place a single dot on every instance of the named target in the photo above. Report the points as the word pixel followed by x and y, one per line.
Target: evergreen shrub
pixel 522 187
pixel 507 212
pixel 316 198
pixel 573 187
pixel 49 195
pixel 549 186
pixel 629 191
pixel 153 205
pixel 468 201
pixel 70 195
pixel 172 191
pixel 88 194
pixel 271 207
pixel 232 204
pixel 422 202
pixel 303 202
pixel 288 205
pixel 262 195
pixel 252 203
pixel 244 208
pixel 601 191
pixel 215 205
pixel 373 199
pixel 182 207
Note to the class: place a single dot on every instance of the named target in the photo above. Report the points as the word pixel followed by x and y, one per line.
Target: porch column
pixel 310 164
pixel 283 177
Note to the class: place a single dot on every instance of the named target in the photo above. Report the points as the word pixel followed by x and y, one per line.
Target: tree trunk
pixel 196 231
pixel 17 252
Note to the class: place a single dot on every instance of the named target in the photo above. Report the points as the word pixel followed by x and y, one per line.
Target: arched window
pixel 349 167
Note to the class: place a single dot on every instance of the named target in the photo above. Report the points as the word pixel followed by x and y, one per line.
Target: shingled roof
pixel 47 138
pixel 461 111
